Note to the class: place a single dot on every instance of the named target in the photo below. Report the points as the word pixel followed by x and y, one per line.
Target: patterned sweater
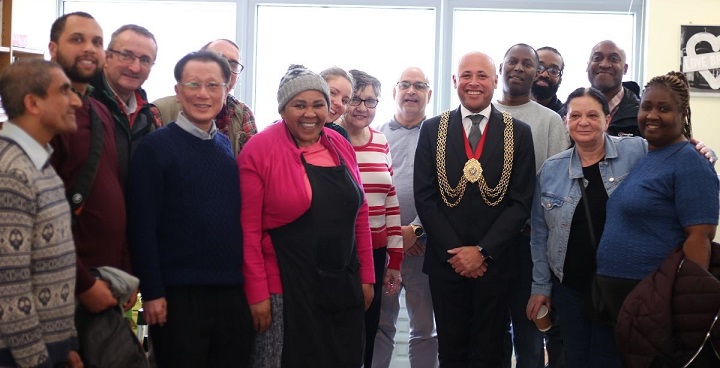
pixel 376 174
pixel 37 263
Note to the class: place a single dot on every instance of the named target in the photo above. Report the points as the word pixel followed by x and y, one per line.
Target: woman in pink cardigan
pixel 307 249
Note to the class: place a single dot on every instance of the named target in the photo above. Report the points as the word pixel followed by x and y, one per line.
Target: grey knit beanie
pixel 298 79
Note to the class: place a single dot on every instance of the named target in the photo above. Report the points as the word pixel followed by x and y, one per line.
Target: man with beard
pixel 99 222
pixel 605 69
pixel 412 93
pixel 544 89
pixel 519 70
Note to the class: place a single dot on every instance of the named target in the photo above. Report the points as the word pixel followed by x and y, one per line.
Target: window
pixel 179 28
pixel 573 34
pixel 379 41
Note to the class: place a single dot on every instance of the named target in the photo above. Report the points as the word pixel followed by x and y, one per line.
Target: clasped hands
pixel 467 261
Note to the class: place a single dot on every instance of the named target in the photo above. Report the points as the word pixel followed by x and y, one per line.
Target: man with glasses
pixel 184 228
pixel 544 89
pixel 519 69
pixel 412 94
pixel 129 59
pixel 235 120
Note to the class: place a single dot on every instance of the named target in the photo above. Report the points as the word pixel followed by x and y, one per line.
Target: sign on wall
pixel 700 47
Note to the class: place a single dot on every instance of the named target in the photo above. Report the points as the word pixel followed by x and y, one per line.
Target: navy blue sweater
pixel 184 212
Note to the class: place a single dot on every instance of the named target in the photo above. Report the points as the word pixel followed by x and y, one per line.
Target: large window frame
pixel 246 31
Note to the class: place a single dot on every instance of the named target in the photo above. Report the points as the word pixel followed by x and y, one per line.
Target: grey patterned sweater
pixel 37 263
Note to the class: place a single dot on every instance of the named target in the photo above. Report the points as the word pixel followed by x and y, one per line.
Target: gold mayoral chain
pixel 473 171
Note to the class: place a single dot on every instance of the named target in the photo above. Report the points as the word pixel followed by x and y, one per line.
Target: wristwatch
pixel 418 230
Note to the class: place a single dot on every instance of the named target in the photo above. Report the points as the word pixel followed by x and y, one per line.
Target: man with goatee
pixel 545 87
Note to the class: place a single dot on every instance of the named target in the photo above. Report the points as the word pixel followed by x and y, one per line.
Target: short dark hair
pixel 205 56
pixel 58 25
pixel 24 77
pixel 554 51
pixel 142 31
pixel 537 58
pixel 591 92
pixel 363 80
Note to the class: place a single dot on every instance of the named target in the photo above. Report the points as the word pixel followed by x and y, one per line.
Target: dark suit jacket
pixel 472 221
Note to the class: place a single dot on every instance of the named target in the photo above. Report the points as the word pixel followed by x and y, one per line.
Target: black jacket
pixel 126 138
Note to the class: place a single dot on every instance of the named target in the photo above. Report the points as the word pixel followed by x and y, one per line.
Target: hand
pixel 534 304
pixel 417 249
pixel 131 301
pixel 155 311
pixel 74 360
pixel 408 236
pixel 98 297
pixel 467 261
pixel 368 294
pixel 704 150
pixel 392 281
pixel 261 315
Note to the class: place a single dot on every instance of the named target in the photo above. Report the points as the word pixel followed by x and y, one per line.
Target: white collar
pixel 183 122
pixel 37 153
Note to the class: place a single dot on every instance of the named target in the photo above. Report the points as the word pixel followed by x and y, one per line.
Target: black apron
pixel 322 292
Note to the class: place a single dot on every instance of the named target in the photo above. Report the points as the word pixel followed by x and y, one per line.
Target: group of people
pixel 289 247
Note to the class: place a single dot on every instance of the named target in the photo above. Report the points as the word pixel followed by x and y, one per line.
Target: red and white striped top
pixel 376 173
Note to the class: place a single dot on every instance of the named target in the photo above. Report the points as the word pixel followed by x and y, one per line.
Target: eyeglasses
pixel 419 86
pixel 210 86
pixel 552 71
pixel 369 103
pixel 236 67
pixel 128 57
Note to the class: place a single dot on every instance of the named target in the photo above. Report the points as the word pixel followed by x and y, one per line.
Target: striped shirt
pixel 376 174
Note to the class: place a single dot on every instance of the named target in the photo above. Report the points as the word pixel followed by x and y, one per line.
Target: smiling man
pixel 606 68
pixel 412 94
pixel 474 176
pixel 98 203
pixel 544 89
pixel 184 226
pixel 129 59
pixel 235 119
pixel 519 70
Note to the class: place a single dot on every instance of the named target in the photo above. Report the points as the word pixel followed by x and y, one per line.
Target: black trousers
pixel 207 326
pixel 372 315
pixel 471 317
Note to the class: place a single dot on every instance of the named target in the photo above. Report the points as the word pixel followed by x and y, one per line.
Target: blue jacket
pixel 557 194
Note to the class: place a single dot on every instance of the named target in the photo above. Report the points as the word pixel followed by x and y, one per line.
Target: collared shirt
pixel 467 123
pixel 88 90
pixel 37 153
pixel 191 128
pixel 128 108
pixel 615 101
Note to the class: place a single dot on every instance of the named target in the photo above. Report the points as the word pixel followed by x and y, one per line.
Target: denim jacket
pixel 557 194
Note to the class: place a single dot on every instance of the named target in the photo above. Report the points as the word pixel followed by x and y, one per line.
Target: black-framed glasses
pixel 419 86
pixel 369 103
pixel 210 86
pixel 552 71
pixel 236 67
pixel 128 57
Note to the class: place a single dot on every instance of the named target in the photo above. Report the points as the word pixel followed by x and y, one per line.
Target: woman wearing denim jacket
pixel 560 239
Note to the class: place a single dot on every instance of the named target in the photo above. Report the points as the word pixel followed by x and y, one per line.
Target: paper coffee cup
pixel 542 320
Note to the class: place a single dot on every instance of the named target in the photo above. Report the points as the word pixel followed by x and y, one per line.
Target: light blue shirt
pixel 37 153
pixel 557 194
pixel 183 122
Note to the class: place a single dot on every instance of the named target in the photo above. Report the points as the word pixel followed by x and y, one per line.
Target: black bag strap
pixel 587 212
pixel 84 181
